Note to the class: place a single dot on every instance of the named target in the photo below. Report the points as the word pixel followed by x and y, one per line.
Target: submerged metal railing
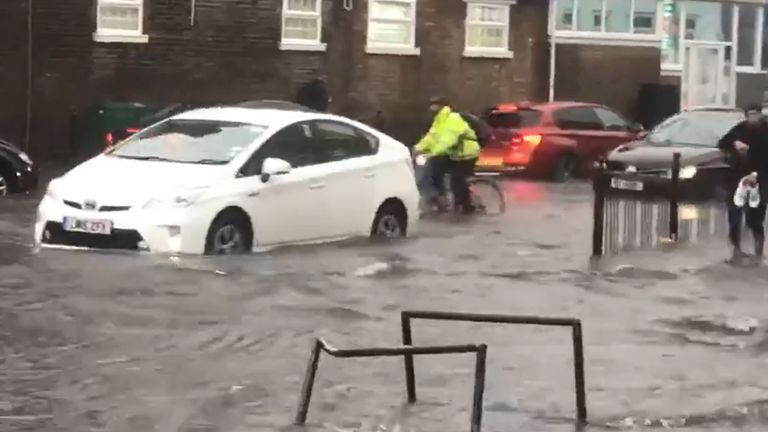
pixel 408 350
pixel 578 345
pixel 322 346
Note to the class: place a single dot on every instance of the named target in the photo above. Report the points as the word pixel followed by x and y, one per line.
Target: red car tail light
pixel 108 140
pixel 530 140
pixel 521 148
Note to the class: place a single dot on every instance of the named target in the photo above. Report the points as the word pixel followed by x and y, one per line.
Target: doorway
pixel 708 76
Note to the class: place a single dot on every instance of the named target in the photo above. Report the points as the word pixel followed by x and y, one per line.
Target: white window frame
pixel 288 44
pixel 374 47
pixel 121 36
pixel 602 37
pixel 489 52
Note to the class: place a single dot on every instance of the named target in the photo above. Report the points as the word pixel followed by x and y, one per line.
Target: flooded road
pixel 121 342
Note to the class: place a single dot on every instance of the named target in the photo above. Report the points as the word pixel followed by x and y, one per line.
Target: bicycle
pixel 486 195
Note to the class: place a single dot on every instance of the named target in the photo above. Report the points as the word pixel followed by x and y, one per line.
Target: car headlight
pixel 687 172
pixel 631 169
pixel 54 189
pixel 25 157
pixel 177 199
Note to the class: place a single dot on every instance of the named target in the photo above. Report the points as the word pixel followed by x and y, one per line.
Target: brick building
pixel 383 58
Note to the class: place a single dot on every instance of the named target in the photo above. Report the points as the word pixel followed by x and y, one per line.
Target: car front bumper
pixel 171 231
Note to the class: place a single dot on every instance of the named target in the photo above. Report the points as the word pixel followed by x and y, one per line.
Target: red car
pixel 557 140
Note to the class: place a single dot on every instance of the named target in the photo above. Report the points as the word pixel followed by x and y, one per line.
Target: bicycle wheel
pixel 487 196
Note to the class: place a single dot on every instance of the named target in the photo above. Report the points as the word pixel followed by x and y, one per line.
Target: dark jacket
pixel 756 159
pixel 313 95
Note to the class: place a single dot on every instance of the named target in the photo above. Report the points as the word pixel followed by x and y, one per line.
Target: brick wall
pixel 609 75
pixel 231 54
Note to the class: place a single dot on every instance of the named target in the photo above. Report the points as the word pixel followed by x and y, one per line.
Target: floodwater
pixel 121 342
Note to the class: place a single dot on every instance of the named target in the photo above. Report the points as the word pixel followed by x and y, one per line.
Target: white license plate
pixel 626 184
pixel 90 226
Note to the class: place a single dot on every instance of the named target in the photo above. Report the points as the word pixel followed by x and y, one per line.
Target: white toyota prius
pixel 230 180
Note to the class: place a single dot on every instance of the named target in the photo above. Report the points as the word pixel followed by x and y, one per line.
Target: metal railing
pixel 578 345
pixel 322 346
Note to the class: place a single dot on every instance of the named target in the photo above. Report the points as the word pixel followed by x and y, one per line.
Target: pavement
pixel 96 341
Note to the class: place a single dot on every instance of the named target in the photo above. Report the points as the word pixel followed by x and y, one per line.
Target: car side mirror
pixel 274 167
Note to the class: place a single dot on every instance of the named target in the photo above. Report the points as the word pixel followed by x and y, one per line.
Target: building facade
pixel 383 58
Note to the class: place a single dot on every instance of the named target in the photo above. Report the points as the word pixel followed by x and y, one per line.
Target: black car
pixel 694 134
pixel 17 172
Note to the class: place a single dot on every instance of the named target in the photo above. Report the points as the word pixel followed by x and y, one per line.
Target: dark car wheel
pixel 4 187
pixel 565 168
pixel 390 221
pixel 229 234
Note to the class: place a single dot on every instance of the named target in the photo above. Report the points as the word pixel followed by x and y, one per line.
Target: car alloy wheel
pixel 228 240
pixel 389 227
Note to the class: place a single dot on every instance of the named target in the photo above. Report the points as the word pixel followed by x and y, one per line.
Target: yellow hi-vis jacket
pixel 449 135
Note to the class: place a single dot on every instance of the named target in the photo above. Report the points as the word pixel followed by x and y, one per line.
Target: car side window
pixel 611 120
pixel 293 144
pixel 335 141
pixel 577 118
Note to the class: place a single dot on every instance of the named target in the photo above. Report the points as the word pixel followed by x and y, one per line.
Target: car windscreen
pixel 514 120
pixel 190 141
pixel 694 128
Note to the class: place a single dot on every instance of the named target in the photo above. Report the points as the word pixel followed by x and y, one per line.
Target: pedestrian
pixel 314 95
pixel 746 150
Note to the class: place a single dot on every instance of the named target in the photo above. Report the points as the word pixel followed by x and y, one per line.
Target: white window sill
pixel 749 70
pixel 607 38
pixel 120 38
pixel 303 46
pixel 488 53
pixel 392 50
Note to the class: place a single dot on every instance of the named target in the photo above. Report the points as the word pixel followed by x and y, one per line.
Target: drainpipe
pixel 28 132
pixel 192 7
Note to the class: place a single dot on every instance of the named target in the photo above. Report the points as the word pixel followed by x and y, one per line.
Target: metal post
pixel 598 212
pixel 578 370
pixel 674 221
pixel 410 374
pixel 309 381
pixel 477 395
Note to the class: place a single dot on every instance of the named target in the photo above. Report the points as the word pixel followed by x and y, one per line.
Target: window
pixel 487 28
pixel 609 16
pixel 644 19
pixel 338 141
pixel 708 21
pixel 514 120
pixel 292 144
pixel 589 15
pixel 302 25
pixel 120 21
pixel 611 120
pixel 578 118
pixel 618 16
pixel 564 15
pixel 749 36
pixel 392 26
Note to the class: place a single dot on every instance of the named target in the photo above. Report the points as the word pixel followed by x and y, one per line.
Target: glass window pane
pixel 747 34
pixel 485 37
pixel 708 21
pixel 617 16
pixel 564 15
pixel 589 15
pixel 125 18
pixel 301 28
pixel 302 5
pixel 390 33
pixel 645 16
pixel 391 10
pixel 670 32
pixel 492 14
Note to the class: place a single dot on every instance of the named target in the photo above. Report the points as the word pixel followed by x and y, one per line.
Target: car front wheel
pixel 229 234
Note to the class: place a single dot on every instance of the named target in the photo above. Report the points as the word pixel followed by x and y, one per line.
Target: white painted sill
pixel 488 53
pixel 120 38
pixel 392 50
pixel 303 46
pixel 749 70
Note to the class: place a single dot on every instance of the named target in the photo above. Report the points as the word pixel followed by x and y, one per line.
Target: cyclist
pixel 452 148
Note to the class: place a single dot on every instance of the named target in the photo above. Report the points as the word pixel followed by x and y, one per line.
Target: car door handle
pixel 253 194
pixel 317 185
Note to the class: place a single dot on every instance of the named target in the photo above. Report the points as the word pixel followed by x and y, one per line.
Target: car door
pixel 347 154
pixel 285 208
pixel 582 124
pixel 616 129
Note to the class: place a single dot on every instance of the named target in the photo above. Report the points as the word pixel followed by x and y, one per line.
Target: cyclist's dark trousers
pixel 461 171
pixel 755 218
pixel 439 167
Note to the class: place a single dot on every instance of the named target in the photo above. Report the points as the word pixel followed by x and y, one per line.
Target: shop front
pixel 708 52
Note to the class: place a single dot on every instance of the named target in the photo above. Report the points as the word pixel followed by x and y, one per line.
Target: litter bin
pixel 93 124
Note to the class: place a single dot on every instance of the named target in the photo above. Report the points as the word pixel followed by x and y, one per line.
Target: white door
pixel 348 154
pixel 707 75
pixel 285 208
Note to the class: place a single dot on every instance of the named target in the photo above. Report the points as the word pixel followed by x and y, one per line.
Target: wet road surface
pixel 121 342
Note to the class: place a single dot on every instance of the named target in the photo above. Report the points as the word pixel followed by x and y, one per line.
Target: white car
pixel 230 180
